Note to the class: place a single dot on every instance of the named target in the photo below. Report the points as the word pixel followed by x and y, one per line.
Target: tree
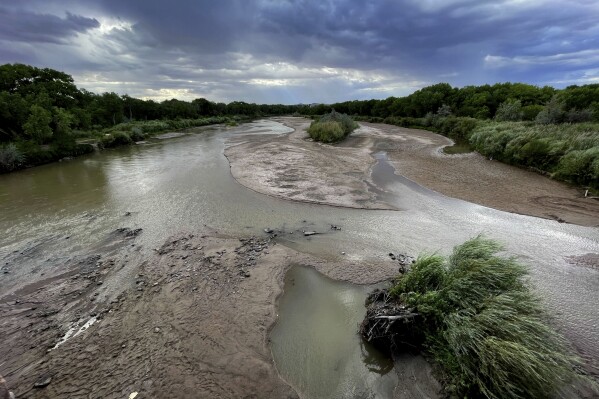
pixel 38 124
pixel 444 110
pixel 509 111
pixel 552 113
pixel 62 121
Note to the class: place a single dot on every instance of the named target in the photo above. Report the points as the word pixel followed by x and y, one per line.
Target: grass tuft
pixel 483 326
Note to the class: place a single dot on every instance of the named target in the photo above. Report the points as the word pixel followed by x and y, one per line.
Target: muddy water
pixel 57 212
pixel 317 328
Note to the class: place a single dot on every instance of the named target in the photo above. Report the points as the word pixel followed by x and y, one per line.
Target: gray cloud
pixel 28 26
pixel 304 51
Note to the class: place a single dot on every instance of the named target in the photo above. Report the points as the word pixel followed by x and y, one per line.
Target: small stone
pixel 157 330
pixel 43 381
pixel 342 253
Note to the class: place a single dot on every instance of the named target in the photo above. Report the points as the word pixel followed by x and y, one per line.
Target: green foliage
pixel 38 124
pixel 137 134
pixel 10 157
pixel 444 110
pixel 326 132
pixel 580 166
pixel 509 111
pixel 483 326
pixel 62 122
pixel 332 127
pixel 115 139
pixel 567 152
pixel 554 112
pixel 530 112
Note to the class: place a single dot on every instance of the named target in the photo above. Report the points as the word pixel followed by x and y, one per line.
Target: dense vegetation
pixel 475 315
pixel 332 127
pixel 44 117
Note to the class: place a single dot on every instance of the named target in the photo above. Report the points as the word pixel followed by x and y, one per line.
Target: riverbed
pixel 57 214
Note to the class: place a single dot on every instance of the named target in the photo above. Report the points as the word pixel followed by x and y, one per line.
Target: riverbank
pixel 191 320
pixel 295 168
pixel 27 154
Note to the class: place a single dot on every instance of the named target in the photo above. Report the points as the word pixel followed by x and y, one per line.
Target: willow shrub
pixel 568 152
pixel 331 128
pixel 483 326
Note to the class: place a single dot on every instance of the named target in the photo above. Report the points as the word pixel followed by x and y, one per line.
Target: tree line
pixel 44 116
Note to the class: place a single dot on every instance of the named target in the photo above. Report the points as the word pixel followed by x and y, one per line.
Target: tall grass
pixel 483 326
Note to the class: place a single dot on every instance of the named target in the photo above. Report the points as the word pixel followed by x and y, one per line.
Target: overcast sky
pixel 276 51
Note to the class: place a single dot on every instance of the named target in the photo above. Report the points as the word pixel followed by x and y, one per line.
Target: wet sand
pixel 193 321
pixel 295 168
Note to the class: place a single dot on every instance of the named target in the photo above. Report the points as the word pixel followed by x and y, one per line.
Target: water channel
pixel 55 212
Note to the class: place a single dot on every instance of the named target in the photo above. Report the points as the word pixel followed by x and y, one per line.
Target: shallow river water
pixel 53 213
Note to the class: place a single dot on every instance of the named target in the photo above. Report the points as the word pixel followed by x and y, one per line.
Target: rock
pixel 127 213
pixel 157 330
pixel 342 253
pixel 309 233
pixel 43 381
pixel 268 230
pixel 391 254
pixel 334 227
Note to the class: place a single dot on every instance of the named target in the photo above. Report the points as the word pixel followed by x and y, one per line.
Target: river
pixel 55 212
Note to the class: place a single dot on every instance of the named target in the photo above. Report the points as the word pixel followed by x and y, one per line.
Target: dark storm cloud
pixel 28 26
pixel 307 50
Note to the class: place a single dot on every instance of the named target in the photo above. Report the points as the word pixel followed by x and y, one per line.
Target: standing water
pixel 316 345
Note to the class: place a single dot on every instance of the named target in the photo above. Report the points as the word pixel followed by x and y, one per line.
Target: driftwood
pixel 389 324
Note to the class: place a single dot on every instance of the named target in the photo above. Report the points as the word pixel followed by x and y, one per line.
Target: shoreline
pixel 263 165
pixel 195 314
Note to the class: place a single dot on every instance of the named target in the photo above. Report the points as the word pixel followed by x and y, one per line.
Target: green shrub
pixel 552 113
pixel 509 111
pixel 327 132
pixel 137 134
pixel 115 139
pixel 545 147
pixel 580 166
pixel 331 128
pixel 530 112
pixel 10 157
pixel 483 326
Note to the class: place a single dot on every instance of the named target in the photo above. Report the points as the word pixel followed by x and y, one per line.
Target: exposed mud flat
pixel 295 168
pixel 292 166
pixel 192 321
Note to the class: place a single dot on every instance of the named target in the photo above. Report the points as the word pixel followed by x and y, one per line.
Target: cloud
pixel 31 27
pixel 300 50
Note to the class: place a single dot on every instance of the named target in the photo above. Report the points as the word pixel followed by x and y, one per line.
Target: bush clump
pixel 482 325
pixel 10 157
pixel 567 152
pixel 115 139
pixel 331 128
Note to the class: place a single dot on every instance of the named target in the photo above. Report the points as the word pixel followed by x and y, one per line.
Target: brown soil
pixel 192 321
pixel 292 167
